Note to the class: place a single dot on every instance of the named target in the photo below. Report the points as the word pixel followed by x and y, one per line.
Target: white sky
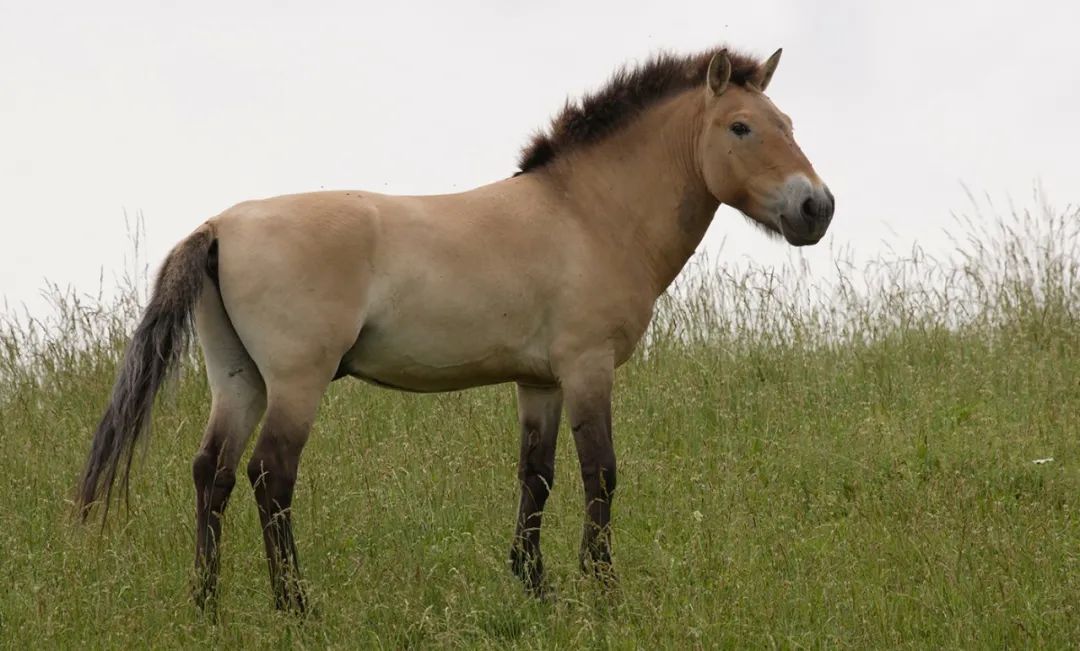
pixel 179 110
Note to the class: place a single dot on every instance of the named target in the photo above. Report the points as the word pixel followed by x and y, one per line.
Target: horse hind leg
pixel 297 335
pixel 238 400
pixel 272 471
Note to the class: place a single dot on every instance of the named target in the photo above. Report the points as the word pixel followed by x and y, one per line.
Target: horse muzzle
pixel 806 213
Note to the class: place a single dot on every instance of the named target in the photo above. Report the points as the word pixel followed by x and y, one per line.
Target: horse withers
pixel 546 279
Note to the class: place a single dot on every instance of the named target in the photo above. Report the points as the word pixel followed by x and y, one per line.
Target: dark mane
pixel 627 93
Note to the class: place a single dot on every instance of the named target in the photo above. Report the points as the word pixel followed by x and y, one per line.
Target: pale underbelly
pixel 440 362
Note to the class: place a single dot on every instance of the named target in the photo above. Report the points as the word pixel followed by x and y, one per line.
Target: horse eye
pixel 740 129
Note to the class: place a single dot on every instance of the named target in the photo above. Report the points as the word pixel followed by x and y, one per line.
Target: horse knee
pixel 538 480
pixel 536 468
pixel 541 475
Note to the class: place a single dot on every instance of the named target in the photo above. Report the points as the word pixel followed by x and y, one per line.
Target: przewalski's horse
pixel 546 279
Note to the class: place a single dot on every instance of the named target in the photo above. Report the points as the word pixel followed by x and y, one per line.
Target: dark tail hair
pixel 158 344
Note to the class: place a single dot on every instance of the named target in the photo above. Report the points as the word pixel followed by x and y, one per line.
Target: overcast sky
pixel 179 110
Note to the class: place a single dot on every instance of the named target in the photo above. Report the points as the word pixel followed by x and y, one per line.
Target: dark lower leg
pixel 591 424
pixel 212 488
pixel 525 559
pixel 587 382
pixel 273 476
pixel 539 411
pixel 599 480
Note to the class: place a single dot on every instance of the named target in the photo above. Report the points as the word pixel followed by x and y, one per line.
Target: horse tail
pixel 160 340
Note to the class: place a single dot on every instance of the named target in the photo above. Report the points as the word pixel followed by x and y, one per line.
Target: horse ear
pixel 719 72
pixel 765 71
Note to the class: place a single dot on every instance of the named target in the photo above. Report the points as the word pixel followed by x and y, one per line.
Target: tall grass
pixel 803 462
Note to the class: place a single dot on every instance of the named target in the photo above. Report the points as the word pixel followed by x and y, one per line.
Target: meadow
pixel 803 464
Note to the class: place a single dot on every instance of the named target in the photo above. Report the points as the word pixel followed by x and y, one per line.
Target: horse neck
pixel 642 187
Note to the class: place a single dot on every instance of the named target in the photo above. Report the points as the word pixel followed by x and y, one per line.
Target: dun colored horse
pixel 546 279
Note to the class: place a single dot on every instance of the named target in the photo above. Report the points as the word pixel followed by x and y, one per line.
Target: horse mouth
pixel 796 235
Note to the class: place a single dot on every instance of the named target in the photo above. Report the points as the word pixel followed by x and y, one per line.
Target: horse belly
pixel 432 360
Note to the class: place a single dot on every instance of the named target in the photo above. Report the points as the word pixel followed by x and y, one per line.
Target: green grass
pixel 800 466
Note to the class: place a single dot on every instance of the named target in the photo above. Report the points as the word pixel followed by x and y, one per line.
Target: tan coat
pixel 547 279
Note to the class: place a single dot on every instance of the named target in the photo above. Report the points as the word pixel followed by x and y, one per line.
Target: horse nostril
pixel 818 210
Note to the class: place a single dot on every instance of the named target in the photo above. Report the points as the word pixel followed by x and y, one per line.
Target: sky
pixel 175 111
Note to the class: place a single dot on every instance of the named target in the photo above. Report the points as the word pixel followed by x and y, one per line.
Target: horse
pixel 546 279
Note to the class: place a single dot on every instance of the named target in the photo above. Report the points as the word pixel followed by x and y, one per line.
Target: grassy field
pixel 849 465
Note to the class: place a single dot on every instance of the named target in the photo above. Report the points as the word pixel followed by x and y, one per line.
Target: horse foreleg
pixel 539 409
pixel 587 387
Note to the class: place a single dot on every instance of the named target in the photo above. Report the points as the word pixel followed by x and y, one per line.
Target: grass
pixel 801 465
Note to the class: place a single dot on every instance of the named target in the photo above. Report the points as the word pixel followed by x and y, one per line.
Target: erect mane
pixel 626 94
